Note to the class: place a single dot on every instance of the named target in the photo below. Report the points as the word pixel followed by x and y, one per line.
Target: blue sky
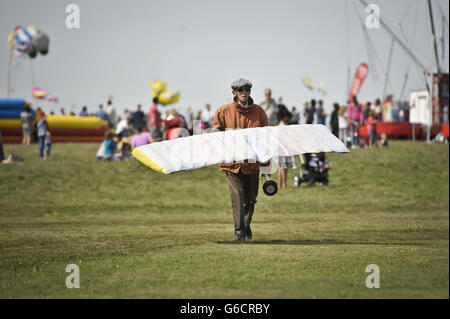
pixel 199 47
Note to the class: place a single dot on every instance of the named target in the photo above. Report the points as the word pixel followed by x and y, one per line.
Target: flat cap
pixel 240 83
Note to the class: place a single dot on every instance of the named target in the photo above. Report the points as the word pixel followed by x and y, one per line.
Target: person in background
pixel 52 112
pixel 198 116
pixel 127 115
pixel 42 129
pixel 101 152
pixel 142 138
pixel 124 147
pixel 270 107
pixel 72 113
pixel 207 116
pixel 372 128
pixel 157 136
pixel 138 117
pixel 62 111
pixel 84 111
pixel 26 118
pixel 378 110
pixel 334 121
pixel 101 114
pixel 199 124
pixel 313 104
pixel 355 118
pixel 285 162
pixel 366 110
pixel 310 110
pixel 154 116
pixel 123 127
pixel 2 154
pixel 111 111
pixel 320 112
pixel 306 111
pixel 48 144
pixel 172 124
pixel 295 116
pixel 189 118
pixel 281 109
pixel 406 112
pixel 343 124
pixel 384 140
pixel 110 144
pixel 183 120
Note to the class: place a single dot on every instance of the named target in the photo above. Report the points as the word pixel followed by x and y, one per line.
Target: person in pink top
pixel 142 138
pixel 355 118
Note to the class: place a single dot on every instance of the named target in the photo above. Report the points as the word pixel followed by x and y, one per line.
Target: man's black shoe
pixel 248 235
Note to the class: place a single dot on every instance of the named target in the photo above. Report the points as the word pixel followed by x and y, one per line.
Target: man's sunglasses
pixel 246 89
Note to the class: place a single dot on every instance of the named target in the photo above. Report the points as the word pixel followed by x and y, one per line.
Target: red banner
pixel 358 79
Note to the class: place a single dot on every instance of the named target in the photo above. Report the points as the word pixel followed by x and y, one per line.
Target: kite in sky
pixel 164 96
pixel 29 40
pixel 38 93
pixel 308 83
pixel 312 86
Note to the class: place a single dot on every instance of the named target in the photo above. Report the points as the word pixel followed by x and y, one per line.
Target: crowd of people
pixel 345 121
pixel 131 129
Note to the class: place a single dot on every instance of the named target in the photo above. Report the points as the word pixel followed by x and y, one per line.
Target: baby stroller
pixel 313 169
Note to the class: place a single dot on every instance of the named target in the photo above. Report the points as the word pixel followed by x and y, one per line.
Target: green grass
pixel 136 233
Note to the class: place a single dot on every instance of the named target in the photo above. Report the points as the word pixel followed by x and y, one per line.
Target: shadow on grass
pixel 311 242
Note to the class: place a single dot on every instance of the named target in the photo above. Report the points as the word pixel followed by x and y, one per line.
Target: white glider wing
pixel 253 144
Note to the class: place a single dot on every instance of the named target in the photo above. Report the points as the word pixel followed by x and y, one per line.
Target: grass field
pixel 136 233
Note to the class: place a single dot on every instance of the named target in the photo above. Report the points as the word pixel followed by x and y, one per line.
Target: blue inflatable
pixel 11 108
pixel 8 114
pixel 12 105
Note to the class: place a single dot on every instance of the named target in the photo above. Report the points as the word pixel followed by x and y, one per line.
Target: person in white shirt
pixel 189 117
pixel 270 106
pixel 343 124
pixel 122 126
pixel 207 116
pixel 111 111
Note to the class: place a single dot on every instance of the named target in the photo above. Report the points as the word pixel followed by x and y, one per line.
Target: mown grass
pixel 138 234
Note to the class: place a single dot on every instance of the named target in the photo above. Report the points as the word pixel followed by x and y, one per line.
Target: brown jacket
pixel 236 117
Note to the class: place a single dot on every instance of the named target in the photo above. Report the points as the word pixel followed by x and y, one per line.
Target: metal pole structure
pixel 365 3
pixel 425 70
pixel 388 69
pixel 9 71
pixel 32 74
pixel 33 82
pixel 430 10
pixel 348 50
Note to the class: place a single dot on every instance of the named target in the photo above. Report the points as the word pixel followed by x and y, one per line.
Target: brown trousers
pixel 243 191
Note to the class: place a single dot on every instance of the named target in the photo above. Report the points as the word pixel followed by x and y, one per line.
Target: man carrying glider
pixel 243 177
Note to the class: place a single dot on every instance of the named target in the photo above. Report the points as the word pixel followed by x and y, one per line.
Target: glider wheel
pixel 270 188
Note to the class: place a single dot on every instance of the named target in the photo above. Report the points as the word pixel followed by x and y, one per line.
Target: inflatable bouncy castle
pixel 63 128
pixel 10 123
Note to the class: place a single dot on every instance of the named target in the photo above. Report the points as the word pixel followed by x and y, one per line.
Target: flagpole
pixel 9 71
